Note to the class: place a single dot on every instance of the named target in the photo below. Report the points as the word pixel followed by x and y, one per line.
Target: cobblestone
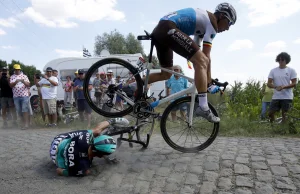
pixel 229 165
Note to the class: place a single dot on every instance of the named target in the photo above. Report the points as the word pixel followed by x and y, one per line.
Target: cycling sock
pixel 111 121
pixel 203 104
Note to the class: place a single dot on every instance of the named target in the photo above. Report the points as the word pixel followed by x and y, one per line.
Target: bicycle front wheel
pixel 107 96
pixel 179 135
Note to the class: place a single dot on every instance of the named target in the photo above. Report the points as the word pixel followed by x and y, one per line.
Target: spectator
pixel 81 101
pixel 283 80
pixel 110 77
pixel 74 92
pixel 96 85
pixel 68 87
pixel 37 78
pixel 119 101
pixel 49 85
pixel 19 84
pixel 7 98
pixel 55 74
pixel 266 100
pixel 176 84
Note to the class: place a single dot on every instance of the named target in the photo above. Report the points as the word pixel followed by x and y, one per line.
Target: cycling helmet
pixel 104 144
pixel 228 10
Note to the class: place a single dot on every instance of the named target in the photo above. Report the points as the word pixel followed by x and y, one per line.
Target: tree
pixel 28 70
pixel 114 42
pixel 133 45
pixel 2 64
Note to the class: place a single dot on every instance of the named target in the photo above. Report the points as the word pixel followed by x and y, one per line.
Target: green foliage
pixel 242 110
pixel 28 70
pixel 116 43
pixel 2 64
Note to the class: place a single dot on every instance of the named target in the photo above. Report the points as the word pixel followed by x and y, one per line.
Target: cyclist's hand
pixel 213 89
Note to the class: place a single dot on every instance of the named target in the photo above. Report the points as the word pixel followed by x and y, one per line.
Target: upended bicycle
pixel 178 118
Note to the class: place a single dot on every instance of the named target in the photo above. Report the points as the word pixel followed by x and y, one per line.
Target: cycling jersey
pixel 70 151
pixel 173 32
pixel 193 22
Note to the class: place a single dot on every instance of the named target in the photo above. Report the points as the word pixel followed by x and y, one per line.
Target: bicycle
pixel 143 110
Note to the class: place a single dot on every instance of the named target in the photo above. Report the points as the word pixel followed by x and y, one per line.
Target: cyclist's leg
pixel 165 58
pixel 166 33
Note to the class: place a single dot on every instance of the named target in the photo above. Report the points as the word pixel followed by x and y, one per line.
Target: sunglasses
pixel 281 59
pixel 229 21
pixel 176 69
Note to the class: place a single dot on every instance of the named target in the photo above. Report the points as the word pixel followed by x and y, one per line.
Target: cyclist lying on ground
pixel 73 152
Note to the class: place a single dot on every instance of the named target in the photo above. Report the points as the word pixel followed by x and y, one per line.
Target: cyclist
pixel 172 34
pixel 73 152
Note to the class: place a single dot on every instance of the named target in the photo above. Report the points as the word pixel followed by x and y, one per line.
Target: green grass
pixel 229 127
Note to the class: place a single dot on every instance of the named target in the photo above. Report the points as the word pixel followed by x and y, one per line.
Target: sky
pixel 38 31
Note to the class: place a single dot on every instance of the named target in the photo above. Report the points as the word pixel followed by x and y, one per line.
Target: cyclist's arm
pixel 207 44
pixel 99 128
pixel 62 172
pixel 206 50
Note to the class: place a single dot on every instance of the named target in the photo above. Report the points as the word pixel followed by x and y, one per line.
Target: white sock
pixel 203 104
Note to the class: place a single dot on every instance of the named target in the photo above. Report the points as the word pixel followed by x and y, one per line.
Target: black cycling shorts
pixel 168 38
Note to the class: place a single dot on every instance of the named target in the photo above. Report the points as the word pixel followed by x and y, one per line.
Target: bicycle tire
pixel 166 137
pixel 107 61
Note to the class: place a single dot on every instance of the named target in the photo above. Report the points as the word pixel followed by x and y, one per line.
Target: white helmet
pixel 228 10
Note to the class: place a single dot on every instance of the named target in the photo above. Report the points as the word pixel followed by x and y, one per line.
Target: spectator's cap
pixel 109 71
pixel 49 69
pixel 177 67
pixel 102 73
pixel 4 68
pixel 17 66
pixel 97 73
pixel 81 71
pixel 54 70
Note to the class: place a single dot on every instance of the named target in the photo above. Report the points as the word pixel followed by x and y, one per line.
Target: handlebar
pixel 159 95
pixel 220 84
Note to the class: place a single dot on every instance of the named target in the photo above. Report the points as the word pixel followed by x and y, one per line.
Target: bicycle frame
pixel 191 90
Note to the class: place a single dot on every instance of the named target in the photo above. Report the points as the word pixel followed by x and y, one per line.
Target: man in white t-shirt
pixel 48 86
pixel 283 79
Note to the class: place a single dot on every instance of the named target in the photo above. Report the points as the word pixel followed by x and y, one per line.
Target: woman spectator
pixel 68 86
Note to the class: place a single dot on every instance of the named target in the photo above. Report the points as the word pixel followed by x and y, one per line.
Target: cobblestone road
pixel 230 165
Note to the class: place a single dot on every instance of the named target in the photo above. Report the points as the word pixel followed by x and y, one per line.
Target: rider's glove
pixel 213 89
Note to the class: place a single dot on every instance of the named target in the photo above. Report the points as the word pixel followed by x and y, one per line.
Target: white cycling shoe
pixel 207 115
pixel 122 122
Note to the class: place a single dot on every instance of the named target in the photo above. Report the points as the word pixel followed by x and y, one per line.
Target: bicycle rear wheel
pixel 174 124
pixel 104 98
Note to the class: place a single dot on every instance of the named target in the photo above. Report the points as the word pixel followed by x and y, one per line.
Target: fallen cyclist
pixel 73 152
